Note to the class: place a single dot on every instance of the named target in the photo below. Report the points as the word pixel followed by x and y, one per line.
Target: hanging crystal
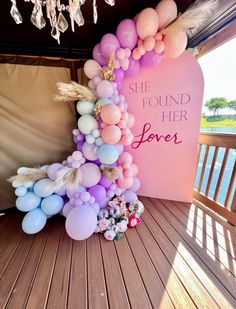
pixel 15 13
pixel 110 2
pixel 95 12
pixel 82 2
pixel 71 11
pixel 77 14
pixel 62 24
pixel 37 15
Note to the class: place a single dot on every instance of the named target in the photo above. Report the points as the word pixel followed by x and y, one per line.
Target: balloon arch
pixel 95 187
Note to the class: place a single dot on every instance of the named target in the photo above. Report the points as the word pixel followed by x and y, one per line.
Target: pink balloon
pixel 91 175
pixel 125 183
pixel 109 44
pixel 81 222
pixel 91 68
pixel 149 43
pixel 111 134
pixel 127 34
pixel 66 209
pixel 147 23
pixel 131 121
pixel 125 157
pixel 97 55
pixel 119 75
pixel 88 152
pixel 159 47
pixel 133 68
pixel 110 114
pixel 136 184
pixel 150 59
pixel 167 12
pixel 175 44
pixel 105 89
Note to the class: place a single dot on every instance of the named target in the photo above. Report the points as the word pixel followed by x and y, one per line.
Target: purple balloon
pixel 119 75
pixel 97 55
pixel 127 34
pixel 119 85
pixel 133 68
pixel 105 182
pixel 109 44
pixel 130 196
pixel 81 222
pixel 98 192
pixel 150 59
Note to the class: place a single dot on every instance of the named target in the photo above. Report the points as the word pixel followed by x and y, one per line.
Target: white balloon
pixel 85 107
pixel 87 124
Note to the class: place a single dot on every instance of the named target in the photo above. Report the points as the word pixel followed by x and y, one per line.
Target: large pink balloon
pixel 167 12
pixel 98 56
pixel 81 222
pixel 91 175
pixel 110 114
pixel 111 134
pixel 175 44
pixel 127 34
pixel 91 68
pixel 147 23
pixel 109 44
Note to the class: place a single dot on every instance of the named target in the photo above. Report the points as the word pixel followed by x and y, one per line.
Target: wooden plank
pixel 212 228
pixel 227 214
pixel 60 281
pixel 213 163
pixel 216 281
pixel 225 140
pixel 136 290
pixel 25 280
pixel 222 170
pixel 230 189
pixel 172 284
pixel 78 298
pixel 233 206
pixel 198 156
pixel 97 293
pixel 213 249
pixel 40 289
pixel 154 286
pixel 203 168
pixel 192 284
pixel 117 293
pixel 8 227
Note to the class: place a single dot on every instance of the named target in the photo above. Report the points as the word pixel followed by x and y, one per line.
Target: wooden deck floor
pixel 178 257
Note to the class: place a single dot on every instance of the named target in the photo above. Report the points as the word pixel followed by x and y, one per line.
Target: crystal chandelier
pixel 54 12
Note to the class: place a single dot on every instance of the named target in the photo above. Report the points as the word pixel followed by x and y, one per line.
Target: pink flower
pixel 103 224
pixel 133 220
pixel 122 226
pixel 109 235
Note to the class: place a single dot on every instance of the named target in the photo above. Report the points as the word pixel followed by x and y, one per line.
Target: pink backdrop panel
pixel 166 102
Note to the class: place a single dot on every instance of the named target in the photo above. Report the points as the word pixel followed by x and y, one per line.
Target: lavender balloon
pixel 150 59
pixel 109 44
pixel 98 56
pixel 130 196
pixel 105 182
pixel 98 192
pixel 119 75
pixel 133 68
pixel 127 34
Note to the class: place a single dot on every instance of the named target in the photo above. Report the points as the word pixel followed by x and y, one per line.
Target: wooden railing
pixel 216 174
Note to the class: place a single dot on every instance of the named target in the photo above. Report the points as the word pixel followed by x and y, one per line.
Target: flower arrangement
pixel 114 220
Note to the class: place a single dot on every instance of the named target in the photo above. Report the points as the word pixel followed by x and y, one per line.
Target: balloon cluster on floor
pixel 95 187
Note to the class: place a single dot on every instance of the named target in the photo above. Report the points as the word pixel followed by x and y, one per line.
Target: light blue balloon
pixel 52 204
pixel 20 191
pixel 104 101
pixel 34 221
pixel 28 201
pixel 107 154
pixel 44 187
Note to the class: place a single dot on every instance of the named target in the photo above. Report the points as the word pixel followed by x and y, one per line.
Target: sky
pixel 219 70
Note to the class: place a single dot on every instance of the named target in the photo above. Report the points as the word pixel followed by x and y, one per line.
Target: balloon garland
pixel 95 187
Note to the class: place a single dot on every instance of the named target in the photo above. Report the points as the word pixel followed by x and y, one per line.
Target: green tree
pixel 232 105
pixel 216 104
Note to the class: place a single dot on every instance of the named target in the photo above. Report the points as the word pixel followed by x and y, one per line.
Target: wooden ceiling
pixel 27 39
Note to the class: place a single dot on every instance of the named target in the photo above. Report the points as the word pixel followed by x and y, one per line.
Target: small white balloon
pixel 87 124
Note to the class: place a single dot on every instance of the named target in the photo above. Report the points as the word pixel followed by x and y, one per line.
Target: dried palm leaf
pixel 111 173
pixel 29 175
pixel 108 73
pixel 68 177
pixel 74 92
pixel 194 17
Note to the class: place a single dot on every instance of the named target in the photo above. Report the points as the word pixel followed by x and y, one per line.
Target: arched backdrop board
pixel 166 101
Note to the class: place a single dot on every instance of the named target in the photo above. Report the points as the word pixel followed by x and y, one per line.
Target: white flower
pixel 103 224
pixel 122 226
pixel 109 235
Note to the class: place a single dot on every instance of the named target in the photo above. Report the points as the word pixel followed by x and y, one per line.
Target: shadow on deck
pixel 178 257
